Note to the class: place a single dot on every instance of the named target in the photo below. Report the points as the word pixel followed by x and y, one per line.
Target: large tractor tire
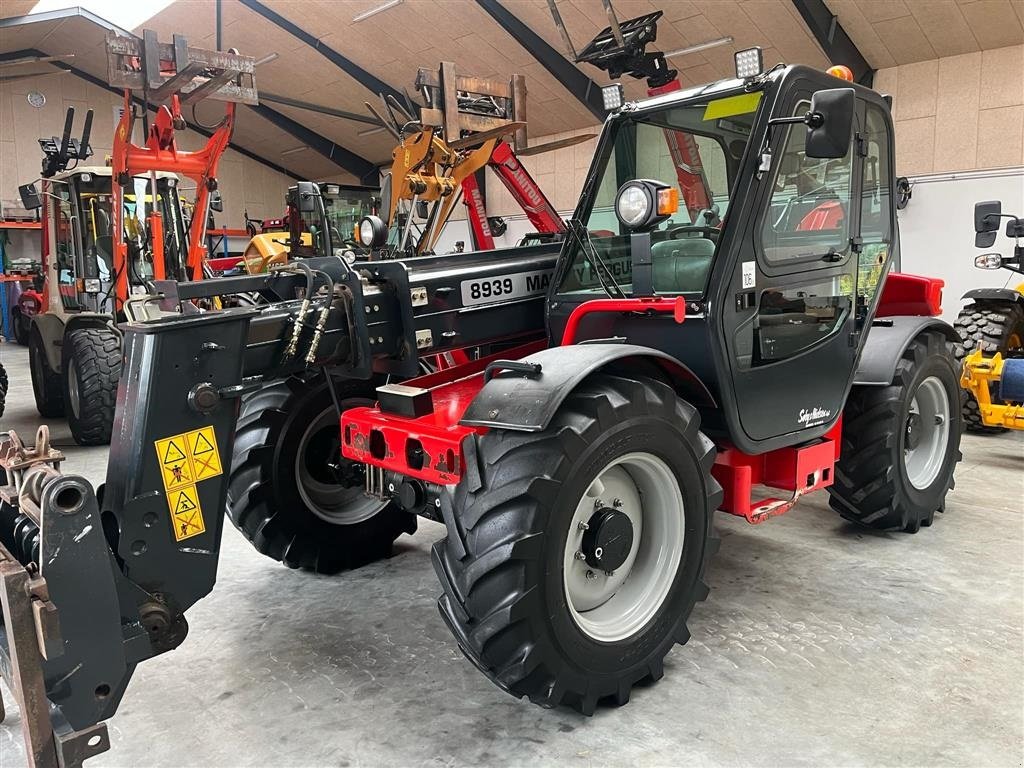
pixel 91 362
pixel 46 383
pixel 901 443
pixel 579 551
pixel 991 328
pixel 292 494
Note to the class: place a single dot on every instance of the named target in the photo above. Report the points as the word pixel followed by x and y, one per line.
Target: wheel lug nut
pixel 617 503
pixel 598 503
pixel 591 574
pixel 579 555
pixel 940 419
pixel 583 526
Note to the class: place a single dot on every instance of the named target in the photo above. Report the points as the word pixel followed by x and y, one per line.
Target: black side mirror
pixel 30 197
pixel 830 123
pixel 986 222
pixel 307 193
pixel 216 201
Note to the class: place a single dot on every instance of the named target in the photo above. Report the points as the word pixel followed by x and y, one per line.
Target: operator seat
pixel 681 265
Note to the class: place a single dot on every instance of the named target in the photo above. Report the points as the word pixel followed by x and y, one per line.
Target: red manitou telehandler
pixel 620 386
pixel 108 231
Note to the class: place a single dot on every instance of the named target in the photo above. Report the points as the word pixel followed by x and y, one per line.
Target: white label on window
pixel 749 272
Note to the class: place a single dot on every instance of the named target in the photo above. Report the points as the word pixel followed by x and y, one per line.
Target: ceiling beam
pixel 564 71
pixel 358 166
pixel 360 75
pixel 838 47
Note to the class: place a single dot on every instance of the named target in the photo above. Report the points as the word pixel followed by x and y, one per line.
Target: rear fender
pixel 51 329
pixel 888 340
pixel 527 402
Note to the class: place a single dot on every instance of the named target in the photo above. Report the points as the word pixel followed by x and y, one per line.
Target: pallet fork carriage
pixel 618 388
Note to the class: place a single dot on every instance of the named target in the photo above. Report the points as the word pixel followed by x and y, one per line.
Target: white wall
pixel 937 230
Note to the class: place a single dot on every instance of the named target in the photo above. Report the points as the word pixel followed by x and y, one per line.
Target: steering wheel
pixel 708 233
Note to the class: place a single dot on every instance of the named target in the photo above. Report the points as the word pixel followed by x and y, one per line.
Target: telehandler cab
pixel 622 385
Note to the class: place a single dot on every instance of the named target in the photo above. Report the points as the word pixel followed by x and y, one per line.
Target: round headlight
pixel 633 205
pixel 373 232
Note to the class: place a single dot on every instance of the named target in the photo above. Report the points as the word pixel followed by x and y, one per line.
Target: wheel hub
pixel 913 431
pixel 608 539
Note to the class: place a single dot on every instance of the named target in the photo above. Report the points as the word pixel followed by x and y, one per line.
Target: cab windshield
pixel 697 148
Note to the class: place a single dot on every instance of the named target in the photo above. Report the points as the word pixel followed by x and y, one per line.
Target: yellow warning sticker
pixel 176 474
pixel 186 513
pixel 202 445
pixel 184 460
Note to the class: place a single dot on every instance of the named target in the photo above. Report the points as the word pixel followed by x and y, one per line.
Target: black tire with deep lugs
pixel 91 362
pixel 991 327
pixel 46 383
pixel 872 486
pixel 266 501
pixel 501 569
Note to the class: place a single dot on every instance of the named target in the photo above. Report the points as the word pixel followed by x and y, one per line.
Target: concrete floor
pixel 821 644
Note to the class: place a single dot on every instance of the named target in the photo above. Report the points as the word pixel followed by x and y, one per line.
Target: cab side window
pixel 875 208
pixel 808 217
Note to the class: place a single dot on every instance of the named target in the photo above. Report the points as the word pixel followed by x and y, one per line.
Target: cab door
pixel 789 319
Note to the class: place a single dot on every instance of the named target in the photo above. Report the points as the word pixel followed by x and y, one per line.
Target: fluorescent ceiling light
pixel 127 15
pixel 699 47
pixel 374 11
pixel 294 150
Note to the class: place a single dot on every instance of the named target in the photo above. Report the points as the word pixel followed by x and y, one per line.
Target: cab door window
pixel 808 217
pixel 875 208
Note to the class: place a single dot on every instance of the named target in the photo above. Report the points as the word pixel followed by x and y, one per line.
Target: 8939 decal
pixel 486 290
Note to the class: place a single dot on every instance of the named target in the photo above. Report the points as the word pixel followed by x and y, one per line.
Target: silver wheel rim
pixel 613 607
pixel 330 501
pixel 926 433
pixel 73 386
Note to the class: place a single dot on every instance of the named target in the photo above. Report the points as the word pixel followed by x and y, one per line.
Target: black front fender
pixel 886 342
pixel 527 402
pixel 996 294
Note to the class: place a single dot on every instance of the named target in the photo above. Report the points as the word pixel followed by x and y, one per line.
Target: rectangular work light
pixel 749 63
pixel 612 96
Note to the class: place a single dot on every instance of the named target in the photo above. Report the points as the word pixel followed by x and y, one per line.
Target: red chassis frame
pixel 430 447
pixel 161 153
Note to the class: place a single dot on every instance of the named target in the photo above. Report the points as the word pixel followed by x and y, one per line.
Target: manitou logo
pixel 476 202
pixel 526 185
pixel 813 416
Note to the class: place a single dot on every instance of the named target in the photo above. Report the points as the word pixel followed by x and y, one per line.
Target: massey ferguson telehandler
pixel 110 230
pixel 621 386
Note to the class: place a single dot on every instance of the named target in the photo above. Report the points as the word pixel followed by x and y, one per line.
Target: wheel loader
pixel 109 230
pixel 619 388
pixel 993 324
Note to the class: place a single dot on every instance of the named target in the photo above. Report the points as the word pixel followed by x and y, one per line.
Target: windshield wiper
pixel 604 274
